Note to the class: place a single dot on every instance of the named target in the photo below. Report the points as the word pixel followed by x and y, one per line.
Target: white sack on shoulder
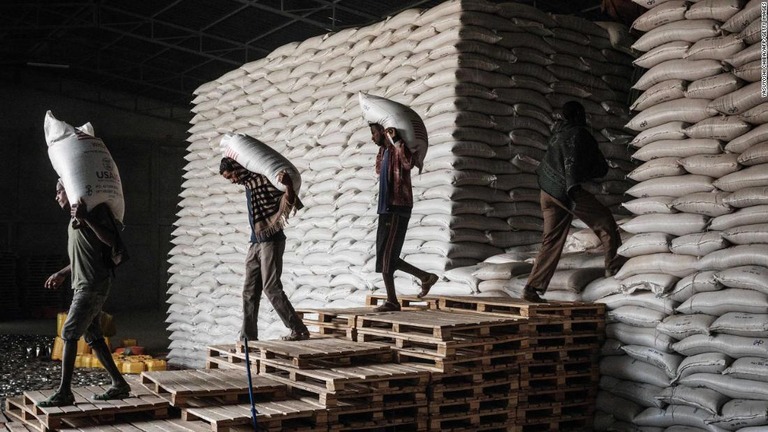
pixel 85 165
pixel 260 158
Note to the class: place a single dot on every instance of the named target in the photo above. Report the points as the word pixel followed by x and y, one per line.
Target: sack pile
pixel 690 308
pixel 478 75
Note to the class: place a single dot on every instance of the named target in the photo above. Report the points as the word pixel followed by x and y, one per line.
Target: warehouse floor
pixel 147 327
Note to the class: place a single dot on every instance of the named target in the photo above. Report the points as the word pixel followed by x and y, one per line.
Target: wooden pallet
pixel 16 427
pixel 334 322
pixel 175 425
pixel 557 395
pixel 418 425
pixel 431 325
pixel 478 346
pixel 589 352
pixel 281 415
pixel 354 416
pixel 374 376
pixel 519 307
pixel 407 302
pixel 580 380
pixel 544 413
pixel 226 386
pixel 470 415
pixel 557 326
pixel 464 376
pixel 324 352
pixel 558 341
pixel 473 392
pixel 142 401
pixel 227 357
pixel 507 360
pixel 581 423
pixel 563 367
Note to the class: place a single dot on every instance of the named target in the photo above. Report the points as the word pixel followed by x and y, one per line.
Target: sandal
pixel 427 285
pixel 120 391
pixel 57 399
pixel 297 336
pixel 388 307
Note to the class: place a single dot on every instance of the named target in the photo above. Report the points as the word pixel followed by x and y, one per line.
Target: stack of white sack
pixel 690 308
pixel 458 67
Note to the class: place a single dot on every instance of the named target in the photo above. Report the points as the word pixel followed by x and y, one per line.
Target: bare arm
pixel 55 280
pixel 286 181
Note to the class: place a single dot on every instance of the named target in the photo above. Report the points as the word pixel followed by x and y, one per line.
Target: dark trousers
pixel 557 221
pixel 263 267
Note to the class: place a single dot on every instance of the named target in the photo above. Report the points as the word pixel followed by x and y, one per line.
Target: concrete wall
pixel 149 153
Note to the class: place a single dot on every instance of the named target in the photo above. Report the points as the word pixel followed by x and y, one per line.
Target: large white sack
pixel 749 368
pixel 644 244
pixel 706 203
pixel 755 155
pixel 685 110
pixel 759 114
pixel 698 244
pixel 673 186
pixel 720 10
pixel 675 265
pixel 600 288
pixel 640 393
pixel 677 224
pixel 713 87
pixel 685 30
pixel 643 299
pixel 738 101
pixel 85 165
pixel 664 13
pixel 716 48
pixel 667 131
pixel 678 148
pixel 636 316
pixel 753 176
pixel 748 197
pixel 667 362
pixel 742 255
pixel 742 19
pixel 676 416
pixel 742 324
pixel 724 128
pixel 738 413
pixel 391 114
pixel 650 205
pixel 669 51
pixel 260 158
pixel 655 168
pixel 621 408
pixel 733 346
pixel 741 217
pixel 746 277
pixel 747 234
pixel 657 283
pixel 659 92
pixel 701 398
pixel 712 165
pixel 683 326
pixel 629 369
pixel 712 362
pixel 688 70
pixel 732 387
pixel 726 300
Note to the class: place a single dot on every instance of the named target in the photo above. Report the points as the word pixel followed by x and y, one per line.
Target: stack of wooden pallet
pixel 357 382
pixel 473 357
pixel 559 372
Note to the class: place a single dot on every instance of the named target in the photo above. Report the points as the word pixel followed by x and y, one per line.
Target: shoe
pixel 427 285
pixel 120 391
pixel 58 399
pixel 297 335
pixel 388 307
pixel 530 294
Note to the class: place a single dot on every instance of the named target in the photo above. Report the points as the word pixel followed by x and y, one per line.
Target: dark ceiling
pixel 150 55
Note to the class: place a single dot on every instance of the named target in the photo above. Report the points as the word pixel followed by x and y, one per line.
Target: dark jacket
pixel 572 158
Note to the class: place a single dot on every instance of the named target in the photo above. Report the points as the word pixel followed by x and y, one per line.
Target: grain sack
pixel 685 110
pixel 746 216
pixel 390 114
pixel 757 115
pixel 655 168
pixel 715 48
pixel 665 13
pixel 742 324
pixel 724 128
pixel 732 387
pixel 724 301
pixel 705 203
pixel 678 148
pixel 667 131
pixel 676 416
pixel 667 362
pixel 645 244
pixel 650 205
pixel 748 197
pixel 698 244
pixel 713 87
pixel 753 176
pixel 677 224
pixel 738 413
pixel 701 398
pixel 502 271
pixel 733 346
pixel 659 92
pixel 683 326
pixel 643 299
pixel 657 283
pixel 682 69
pixel 738 101
pixel 676 265
pixel 720 10
pixel 735 256
pixel 641 393
pixel 260 158
pixel 599 288
pixel 689 31
pixel 677 186
pixel 747 234
pixel 714 363
pixel 85 165
pixel 629 369
pixel 619 407
pixel 635 316
pixel 755 155
pixel 465 275
pixel 740 144
pixel 669 51
pixel 750 72
pixel 715 166
pixel 748 368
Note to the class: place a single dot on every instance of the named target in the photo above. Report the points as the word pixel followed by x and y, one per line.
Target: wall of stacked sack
pixel 484 77
pixel 689 311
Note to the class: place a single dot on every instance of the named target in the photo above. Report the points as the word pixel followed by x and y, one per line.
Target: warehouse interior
pixel 673 340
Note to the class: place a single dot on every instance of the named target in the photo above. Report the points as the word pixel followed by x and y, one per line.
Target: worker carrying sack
pixel 259 158
pixel 390 114
pixel 85 166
